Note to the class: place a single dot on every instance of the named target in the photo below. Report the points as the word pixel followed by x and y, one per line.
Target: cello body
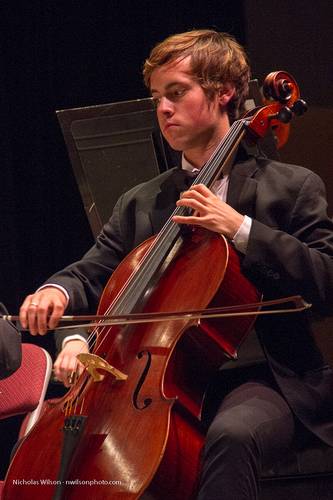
pixel 135 427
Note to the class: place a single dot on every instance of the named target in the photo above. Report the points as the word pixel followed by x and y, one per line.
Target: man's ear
pixel 226 93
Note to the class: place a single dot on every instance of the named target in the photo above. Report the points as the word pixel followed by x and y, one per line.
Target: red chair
pixel 23 392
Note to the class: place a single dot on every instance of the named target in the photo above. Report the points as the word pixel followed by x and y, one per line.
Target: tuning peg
pixel 284 115
pixel 299 107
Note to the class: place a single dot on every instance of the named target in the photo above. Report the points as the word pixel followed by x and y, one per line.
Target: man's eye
pixel 179 92
pixel 156 101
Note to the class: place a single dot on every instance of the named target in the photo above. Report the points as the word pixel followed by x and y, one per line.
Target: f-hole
pixel 146 401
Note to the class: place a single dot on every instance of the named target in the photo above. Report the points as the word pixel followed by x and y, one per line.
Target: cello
pixel 119 429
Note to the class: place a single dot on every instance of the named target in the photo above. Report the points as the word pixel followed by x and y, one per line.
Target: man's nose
pixel 165 106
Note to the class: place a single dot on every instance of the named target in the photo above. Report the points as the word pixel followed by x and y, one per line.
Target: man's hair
pixel 216 59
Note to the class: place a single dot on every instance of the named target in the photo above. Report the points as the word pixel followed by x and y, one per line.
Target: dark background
pixel 58 54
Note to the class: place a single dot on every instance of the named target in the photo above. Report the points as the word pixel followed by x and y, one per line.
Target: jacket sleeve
pixel 10 346
pixel 297 259
pixel 85 279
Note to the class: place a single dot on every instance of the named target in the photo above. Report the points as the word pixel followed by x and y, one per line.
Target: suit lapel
pixel 166 199
pixel 242 187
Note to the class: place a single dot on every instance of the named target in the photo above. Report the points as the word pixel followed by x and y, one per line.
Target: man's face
pixel 187 118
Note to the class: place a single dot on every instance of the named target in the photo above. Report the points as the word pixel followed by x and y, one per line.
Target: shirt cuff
pixel 75 336
pixel 241 238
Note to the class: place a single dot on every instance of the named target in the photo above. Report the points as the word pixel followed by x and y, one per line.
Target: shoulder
pixel 287 192
pixel 141 200
pixel 286 172
pixel 273 172
pixel 152 186
pixel 278 176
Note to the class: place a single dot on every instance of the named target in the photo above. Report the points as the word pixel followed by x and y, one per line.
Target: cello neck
pixel 170 237
pixel 222 155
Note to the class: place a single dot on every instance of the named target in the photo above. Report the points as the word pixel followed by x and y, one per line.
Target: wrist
pixel 239 220
pixel 56 287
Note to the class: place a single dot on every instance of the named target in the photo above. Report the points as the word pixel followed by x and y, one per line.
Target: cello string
pixel 141 268
pixel 166 232
pixel 144 270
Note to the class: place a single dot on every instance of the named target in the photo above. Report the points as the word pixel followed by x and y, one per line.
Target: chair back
pixel 23 392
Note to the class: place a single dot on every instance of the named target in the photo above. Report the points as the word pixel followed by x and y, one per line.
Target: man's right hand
pixel 42 310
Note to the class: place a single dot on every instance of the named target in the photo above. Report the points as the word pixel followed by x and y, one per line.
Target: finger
pixel 42 315
pixel 194 195
pixel 57 367
pixel 24 311
pixel 203 194
pixel 190 220
pixel 67 368
pixel 191 203
pixel 62 375
pixel 202 189
pixel 56 313
pixel 32 314
pixel 70 376
pixel 63 365
pixel 75 374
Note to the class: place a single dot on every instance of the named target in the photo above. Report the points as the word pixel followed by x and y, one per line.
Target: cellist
pixel 274 214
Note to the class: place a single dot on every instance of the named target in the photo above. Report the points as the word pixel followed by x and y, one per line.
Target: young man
pixel 273 214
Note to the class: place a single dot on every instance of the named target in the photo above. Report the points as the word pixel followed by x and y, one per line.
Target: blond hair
pixel 216 58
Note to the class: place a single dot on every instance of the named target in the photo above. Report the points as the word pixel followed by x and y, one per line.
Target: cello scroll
pixel 282 102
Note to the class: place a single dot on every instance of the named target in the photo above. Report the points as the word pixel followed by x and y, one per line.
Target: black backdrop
pixel 57 54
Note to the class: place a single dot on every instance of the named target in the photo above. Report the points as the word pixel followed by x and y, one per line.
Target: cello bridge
pixel 93 364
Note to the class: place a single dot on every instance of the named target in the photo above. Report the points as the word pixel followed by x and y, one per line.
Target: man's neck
pixel 198 157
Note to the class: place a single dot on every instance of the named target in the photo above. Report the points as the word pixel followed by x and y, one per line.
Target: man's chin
pixel 177 145
pixel 175 148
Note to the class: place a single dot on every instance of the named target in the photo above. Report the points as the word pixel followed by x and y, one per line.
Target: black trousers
pixel 252 428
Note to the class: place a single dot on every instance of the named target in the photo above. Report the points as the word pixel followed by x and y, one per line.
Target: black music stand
pixel 112 147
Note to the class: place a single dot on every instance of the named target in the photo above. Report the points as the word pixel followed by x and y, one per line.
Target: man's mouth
pixel 170 125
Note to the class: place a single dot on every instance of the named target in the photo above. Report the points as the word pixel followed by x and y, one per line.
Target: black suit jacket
pixel 10 346
pixel 290 251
